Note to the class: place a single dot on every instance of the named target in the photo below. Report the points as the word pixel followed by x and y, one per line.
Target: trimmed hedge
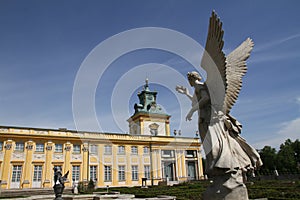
pixel 273 190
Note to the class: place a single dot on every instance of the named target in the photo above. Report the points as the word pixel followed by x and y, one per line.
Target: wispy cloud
pixel 266 52
pixel 298 100
pixel 263 106
pixel 288 130
pixel 181 65
pixel 267 57
pixel 274 43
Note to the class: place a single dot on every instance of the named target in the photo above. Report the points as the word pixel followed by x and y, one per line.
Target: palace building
pixel 28 155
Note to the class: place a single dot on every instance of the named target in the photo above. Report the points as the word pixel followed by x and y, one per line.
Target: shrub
pixel 84 187
pixel 91 186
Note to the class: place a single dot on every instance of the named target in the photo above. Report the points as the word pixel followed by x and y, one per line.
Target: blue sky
pixel 44 43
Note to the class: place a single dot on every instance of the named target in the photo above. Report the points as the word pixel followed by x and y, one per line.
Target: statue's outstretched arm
pixel 197 106
pixel 184 90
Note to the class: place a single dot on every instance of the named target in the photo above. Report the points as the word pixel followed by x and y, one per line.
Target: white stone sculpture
pixel 228 156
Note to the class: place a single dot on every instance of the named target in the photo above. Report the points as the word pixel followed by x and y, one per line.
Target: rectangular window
pixel 107 173
pixel 93 173
pixel 168 153
pixel 134 150
pixel 16 173
pixel 37 173
pixel 134 172
pixel 107 149
pixel 19 146
pixel 58 148
pixel 146 150
pixel 75 173
pixel 1 146
pixel 121 173
pixel 76 148
pixel 191 153
pixel 94 149
pixel 39 147
pixel 121 149
pixel 147 171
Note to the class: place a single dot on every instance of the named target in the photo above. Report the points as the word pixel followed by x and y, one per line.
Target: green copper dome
pixel 147 102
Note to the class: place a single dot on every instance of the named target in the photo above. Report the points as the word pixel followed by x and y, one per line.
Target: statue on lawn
pixel 228 156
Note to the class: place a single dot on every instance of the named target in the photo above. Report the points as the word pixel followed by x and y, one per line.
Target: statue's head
pixel 193 76
pixel 56 169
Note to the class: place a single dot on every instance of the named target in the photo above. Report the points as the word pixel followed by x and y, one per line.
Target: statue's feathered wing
pixel 224 75
pixel 235 69
pixel 66 175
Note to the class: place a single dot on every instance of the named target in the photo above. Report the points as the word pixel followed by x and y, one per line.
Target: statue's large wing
pixel 66 175
pixel 235 70
pixel 213 62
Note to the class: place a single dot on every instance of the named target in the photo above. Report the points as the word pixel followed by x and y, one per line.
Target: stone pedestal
pixel 222 193
pixel 227 187
pixel 58 190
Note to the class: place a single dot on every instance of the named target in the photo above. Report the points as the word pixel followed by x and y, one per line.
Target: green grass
pixel 273 190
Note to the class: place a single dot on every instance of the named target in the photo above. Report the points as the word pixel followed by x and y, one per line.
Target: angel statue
pixel 228 156
pixel 59 183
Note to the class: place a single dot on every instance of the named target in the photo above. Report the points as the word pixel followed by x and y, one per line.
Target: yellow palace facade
pixel 28 155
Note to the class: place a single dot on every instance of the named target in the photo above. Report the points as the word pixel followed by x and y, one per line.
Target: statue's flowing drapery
pixel 226 149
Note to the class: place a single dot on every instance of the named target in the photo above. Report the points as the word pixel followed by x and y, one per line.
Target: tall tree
pixel 286 160
pixel 296 148
pixel 268 156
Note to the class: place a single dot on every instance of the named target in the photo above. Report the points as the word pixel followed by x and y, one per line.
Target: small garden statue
pixel 59 181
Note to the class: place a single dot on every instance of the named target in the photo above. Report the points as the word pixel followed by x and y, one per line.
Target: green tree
pixel 286 157
pixel 268 157
pixel 296 148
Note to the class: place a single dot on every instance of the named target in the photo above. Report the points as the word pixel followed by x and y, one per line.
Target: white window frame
pixel 16 173
pixel 135 172
pixel 58 148
pixel 93 148
pixel 19 146
pixel 39 147
pixel 108 149
pixel 37 172
pixel 93 173
pixel 121 173
pixel 76 148
pixel 75 173
pixel 191 153
pixel 134 150
pixel 168 153
pixel 147 171
pixel 146 150
pixel 121 149
pixel 107 173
